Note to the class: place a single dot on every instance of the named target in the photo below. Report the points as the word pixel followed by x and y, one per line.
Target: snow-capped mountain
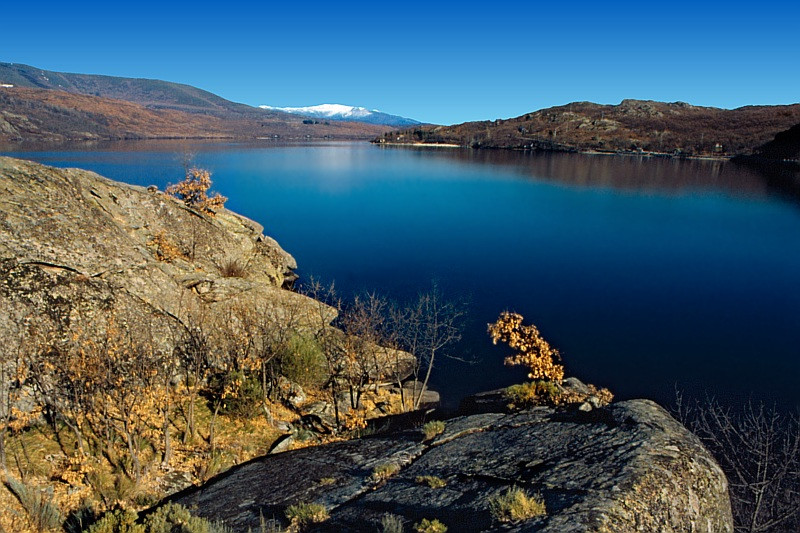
pixel 346 112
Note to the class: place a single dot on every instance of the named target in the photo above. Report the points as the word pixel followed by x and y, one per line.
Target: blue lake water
pixel 647 274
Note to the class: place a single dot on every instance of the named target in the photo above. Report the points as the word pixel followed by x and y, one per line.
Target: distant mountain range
pixel 348 113
pixel 41 105
pixel 633 126
pixel 38 104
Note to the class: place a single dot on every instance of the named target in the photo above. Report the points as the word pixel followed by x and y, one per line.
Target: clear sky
pixel 442 62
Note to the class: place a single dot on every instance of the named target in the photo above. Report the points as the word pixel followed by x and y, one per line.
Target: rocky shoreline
pixel 625 467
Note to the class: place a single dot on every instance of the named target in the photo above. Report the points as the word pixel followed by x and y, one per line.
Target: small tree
pixel 531 349
pixel 425 329
pixel 193 191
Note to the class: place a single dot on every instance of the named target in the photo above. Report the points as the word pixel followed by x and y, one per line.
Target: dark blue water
pixel 647 274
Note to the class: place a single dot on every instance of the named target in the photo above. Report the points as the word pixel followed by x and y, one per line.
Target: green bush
pixel 433 482
pixel 119 521
pixel 385 471
pixel 303 362
pixel 433 428
pixel 515 504
pixel 304 514
pixel 175 518
pixel 244 395
pixel 169 518
pixel 430 526
pixel 534 393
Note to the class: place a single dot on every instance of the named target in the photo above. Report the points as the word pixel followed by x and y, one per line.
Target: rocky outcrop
pixel 625 467
pixel 75 246
pixel 77 249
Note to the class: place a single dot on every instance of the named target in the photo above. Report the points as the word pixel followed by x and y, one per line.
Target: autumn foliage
pixel 193 191
pixel 530 348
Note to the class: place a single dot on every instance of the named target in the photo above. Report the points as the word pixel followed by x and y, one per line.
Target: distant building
pixel 6 85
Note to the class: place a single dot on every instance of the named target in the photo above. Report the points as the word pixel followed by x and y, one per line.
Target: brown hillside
pixel 633 125
pixel 32 114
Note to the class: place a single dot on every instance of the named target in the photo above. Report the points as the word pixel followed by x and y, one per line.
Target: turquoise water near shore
pixel 647 274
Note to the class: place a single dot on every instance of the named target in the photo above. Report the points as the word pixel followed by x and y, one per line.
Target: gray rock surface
pixel 625 467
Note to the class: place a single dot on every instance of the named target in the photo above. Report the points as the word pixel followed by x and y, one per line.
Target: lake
pixel 647 273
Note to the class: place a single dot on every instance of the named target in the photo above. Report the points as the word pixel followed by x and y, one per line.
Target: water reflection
pixel 661 175
pixel 641 174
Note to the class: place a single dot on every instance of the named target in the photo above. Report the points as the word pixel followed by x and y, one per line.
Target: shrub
pixel 391 523
pixel 433 482
pixel 213 464
pixel 111 487
pixel 193 191
pixel 232 269
pixel 241 390
pixel 303 362
pixel 119 521
pixel 531 349
pixel 165 249
pixel 433 428
pixel 430 526
pixel 169 518
pixel 42 512
pixel 515 504
pixel 385 471
pixel 538 392
pixel 304 514
pixel 175 518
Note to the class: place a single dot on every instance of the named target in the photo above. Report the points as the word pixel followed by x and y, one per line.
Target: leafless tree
pixel 193 354
pixel 425 329
pixel 363 323
pixel 327 305
pixel 758 447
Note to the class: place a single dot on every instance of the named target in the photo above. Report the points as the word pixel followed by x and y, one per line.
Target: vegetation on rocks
pixel 534 352
pixel 433 482
pixel 433 428
pixel 427 525
pixel 169 518
pixel 515 504
pixel 132 365
pixel 193 191
pixel 384 471
pixel 305 514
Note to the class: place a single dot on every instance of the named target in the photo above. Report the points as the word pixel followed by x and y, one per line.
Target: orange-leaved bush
pixel 530 348
pixel 193 191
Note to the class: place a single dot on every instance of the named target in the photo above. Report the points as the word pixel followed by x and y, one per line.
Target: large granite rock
pixel 625 467
pixel 74 245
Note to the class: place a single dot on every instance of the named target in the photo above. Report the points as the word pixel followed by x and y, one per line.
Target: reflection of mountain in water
pixel 633 173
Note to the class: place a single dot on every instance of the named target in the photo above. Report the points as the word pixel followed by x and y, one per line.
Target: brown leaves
pixel 531 349
pixel 165 248
pixel 193 191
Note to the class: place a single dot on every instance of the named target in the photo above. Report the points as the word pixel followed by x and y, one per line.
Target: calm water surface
pixel 646 273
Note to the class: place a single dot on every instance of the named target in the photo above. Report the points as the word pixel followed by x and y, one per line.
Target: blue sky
pixel 441 62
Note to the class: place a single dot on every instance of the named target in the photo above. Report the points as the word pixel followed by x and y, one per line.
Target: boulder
pixel 76 248
pixel 290 393
pixel 429 398
pixel 624 467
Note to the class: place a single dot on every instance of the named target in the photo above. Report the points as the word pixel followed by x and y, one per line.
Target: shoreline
pixel 432 145
pixel 584 152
